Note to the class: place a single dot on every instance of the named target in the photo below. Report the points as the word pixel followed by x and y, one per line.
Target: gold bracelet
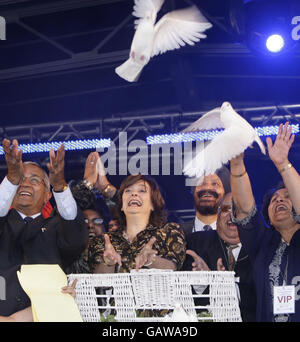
pixel 106 188
pixel 61 190
pixel 240 175
pixel 288 166
pixel 87 184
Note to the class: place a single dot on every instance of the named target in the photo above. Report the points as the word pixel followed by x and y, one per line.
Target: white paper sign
pixel 284 299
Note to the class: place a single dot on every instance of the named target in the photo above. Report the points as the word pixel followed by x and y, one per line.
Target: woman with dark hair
pixel 275 250
pixel 266 202
pixel 144 238
pixel 96 219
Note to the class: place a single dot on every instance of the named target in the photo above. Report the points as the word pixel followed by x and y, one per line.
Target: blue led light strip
pixel 209 135
pixel 154 139
pixel 69 145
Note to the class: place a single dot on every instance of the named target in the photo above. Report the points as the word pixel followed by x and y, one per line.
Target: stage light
pixel 275 43
pixel 264 26
pixel 72 145
pixel 263 131
pixel 95 144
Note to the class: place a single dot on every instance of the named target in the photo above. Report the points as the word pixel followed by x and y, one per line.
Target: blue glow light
pixel 209 135
pixel 69 145
pixel 90 144
pixel 275 43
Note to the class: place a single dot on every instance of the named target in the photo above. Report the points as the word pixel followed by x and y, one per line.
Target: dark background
pixel 57 79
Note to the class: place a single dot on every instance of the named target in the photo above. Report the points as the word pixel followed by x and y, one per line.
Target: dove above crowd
pixel 174 30
pixel 93 227
pixel 96 228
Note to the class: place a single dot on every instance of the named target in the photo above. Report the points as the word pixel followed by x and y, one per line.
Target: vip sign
pixel 296 29
pixel 2 28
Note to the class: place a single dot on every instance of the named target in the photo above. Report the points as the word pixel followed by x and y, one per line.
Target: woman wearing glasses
pixel 275 250
pixel 96 221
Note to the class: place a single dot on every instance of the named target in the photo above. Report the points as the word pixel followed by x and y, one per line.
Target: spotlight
pixel 275 43
pixel 264 25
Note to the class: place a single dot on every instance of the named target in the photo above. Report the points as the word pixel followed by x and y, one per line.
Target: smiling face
pixel 139 197
pixel 225 228
pixel 32 193
pixel 280 207
pixel 136 199
pixel 208 194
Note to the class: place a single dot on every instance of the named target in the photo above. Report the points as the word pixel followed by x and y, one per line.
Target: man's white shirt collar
pixel 198 225
pixel 33 216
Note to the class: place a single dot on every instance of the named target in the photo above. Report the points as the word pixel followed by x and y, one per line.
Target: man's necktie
pixel 207 227
pixel 28 219
pixel 231 259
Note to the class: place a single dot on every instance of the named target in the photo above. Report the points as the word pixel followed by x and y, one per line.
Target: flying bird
pixel 236 137
pixel 174 30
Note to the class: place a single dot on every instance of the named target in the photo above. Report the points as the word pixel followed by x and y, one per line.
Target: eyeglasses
pixel 97 220
pixel 33 180
pixel 225 209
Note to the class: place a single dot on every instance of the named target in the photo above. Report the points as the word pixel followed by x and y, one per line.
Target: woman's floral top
pixel 170 244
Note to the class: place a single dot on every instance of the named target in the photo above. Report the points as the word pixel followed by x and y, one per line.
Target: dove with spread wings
pixel 174 30
pixel 236 137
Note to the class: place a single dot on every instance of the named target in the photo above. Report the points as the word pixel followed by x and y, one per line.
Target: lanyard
pixel 284 275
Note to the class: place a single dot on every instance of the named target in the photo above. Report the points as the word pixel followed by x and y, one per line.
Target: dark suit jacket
pixel 42 241
pixel 187 227
pixel 210 247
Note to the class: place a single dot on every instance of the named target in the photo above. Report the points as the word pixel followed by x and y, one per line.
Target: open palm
pixel 278 152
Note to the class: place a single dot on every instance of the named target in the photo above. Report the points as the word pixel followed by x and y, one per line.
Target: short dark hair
pixel 158 216
pixel 87 199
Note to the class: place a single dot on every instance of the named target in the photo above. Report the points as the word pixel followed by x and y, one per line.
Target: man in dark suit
pixel 222 250
pixel 207 194
pixel 26 237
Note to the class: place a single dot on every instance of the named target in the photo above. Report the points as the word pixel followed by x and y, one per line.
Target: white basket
pixel 157 290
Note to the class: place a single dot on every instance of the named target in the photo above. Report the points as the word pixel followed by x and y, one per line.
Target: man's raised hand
pixel 13 158
pixel 56 168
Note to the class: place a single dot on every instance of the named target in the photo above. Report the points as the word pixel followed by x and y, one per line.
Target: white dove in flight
pixel 237 136
pixel 174 30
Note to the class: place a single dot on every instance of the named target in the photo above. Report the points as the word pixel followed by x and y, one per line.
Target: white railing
pixel 129 295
